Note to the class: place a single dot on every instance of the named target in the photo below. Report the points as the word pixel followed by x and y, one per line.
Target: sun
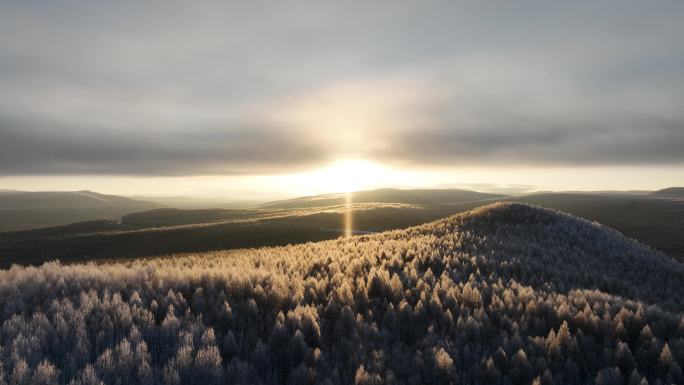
pixel 350 175
pixel 347 175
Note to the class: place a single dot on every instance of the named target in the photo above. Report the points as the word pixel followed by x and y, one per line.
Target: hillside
pixel 175 217
pixel 386 195
pixel 505 294
pixel 671 192
pixel 657 222
pixel 165 231
pixel 24 210
pixel 652 220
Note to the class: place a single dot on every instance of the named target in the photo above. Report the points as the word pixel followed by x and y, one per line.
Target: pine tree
pixel 665 361
pixel 609 376
pixel 88 376
pixel 520 368
pixel 45 374
pixel 635 378
pixel 21 374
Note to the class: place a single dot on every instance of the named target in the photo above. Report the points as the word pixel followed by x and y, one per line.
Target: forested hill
pixel 505 294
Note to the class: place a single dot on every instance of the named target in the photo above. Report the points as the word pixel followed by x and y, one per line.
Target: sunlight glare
pixel 349 175
pixel 348 216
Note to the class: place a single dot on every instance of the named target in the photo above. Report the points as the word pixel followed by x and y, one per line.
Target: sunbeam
pixel 348 216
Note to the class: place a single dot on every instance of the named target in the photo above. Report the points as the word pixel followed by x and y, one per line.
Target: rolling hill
pixel 655 221
pixel 387 195
pixel 652 220
pixel 165 230
pixel 670 192
pixel 25 210
pixel 504 294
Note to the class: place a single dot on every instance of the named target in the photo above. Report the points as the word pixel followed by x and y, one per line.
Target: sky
pixel 252 99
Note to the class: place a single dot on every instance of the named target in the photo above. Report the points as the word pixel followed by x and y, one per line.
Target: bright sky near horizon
pixel 267 99
pixel 357 175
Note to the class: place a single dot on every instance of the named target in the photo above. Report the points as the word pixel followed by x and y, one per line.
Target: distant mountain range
pixel 24 210
pixel 386 195
pixel 125 229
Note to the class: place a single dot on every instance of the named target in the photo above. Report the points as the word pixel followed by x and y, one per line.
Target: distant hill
pixel 670 192
pixel 652 220
pixel 174 217
pixel 163 231
pixel 504 294
pixel 24 210
pixel 202 203
pixel 386 195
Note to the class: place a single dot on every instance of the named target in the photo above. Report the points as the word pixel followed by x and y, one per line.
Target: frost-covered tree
pixel 506 294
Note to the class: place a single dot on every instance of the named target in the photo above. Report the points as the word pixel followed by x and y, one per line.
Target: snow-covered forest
pixel 506 294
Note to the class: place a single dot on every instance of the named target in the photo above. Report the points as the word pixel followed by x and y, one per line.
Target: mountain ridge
pixel 386 195
pixel 670 192
pixel 37 209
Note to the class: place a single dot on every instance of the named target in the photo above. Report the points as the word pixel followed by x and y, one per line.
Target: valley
pixel 653 220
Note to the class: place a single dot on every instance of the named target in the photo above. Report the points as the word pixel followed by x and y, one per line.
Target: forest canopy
pixel 504 294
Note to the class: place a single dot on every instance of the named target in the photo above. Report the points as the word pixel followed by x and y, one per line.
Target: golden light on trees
pixel 348 215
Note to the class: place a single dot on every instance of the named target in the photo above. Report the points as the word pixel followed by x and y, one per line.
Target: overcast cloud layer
pixel 176 89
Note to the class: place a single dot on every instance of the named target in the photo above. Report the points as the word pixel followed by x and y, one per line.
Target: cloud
pixel 27 148
pixel 501 109
pixel 180 89
pixel 640 143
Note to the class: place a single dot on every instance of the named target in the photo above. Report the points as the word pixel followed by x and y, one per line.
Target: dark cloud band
pixel 28 148
pixel 544 83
